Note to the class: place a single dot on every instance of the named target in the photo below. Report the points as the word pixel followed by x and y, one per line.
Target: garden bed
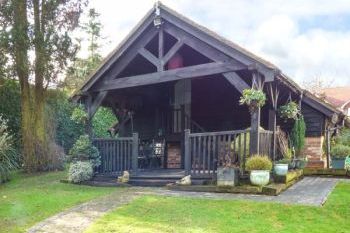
pixel 272 189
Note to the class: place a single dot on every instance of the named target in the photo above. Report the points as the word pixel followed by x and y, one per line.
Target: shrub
pixel 297 136
pixel 80 171
pixel 340 151
pixel 343 137
pixel 83 150
pixel 258 162
pixel 8 154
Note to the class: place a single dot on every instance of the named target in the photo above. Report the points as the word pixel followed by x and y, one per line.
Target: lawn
pixel 169 214
pixel 26 200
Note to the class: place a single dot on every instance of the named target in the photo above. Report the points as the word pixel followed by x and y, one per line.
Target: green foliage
pixel 67 130
pixel 83 150
pixel 8 155
pixel 343 137
pixel 347 164
pixel 10 107
pixel 258 162
pixel 284 161
pixel 253 98
pixel 83 67
pixel 340 151
pixel 289 110
pixel 79 115
pixel 297 135
pixel 80 171
pixel 102 121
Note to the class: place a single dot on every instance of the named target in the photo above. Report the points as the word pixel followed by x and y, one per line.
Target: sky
pixel 306 39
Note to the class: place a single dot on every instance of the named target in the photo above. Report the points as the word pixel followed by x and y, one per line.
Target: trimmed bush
pixel 83 150
pixel 80 171
pixel 340 151
pixel 258 162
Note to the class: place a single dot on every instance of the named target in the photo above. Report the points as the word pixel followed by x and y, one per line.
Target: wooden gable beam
pixel 161 49
pixel 219 45
pixel 172 51
pixel 95 103
pixel 236 81
pixel 198 45
pixel 169 75
pixel 121 50
pixel 149 56
pixel 128 56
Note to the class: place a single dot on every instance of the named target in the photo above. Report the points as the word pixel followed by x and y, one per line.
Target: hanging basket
pixel 253 98
pixel 289 111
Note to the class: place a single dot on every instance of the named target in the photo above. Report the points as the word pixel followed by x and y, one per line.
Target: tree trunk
pixel 21 46
pixel 41 144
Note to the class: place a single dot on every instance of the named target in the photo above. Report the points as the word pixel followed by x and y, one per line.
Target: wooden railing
pixel 117 155
pixel 265 143
pixel 205 151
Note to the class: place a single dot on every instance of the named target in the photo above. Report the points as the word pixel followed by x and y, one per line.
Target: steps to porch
pixel 147 178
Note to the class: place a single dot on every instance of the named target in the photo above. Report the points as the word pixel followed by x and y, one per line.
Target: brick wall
pixel 313 148
pixel 174 155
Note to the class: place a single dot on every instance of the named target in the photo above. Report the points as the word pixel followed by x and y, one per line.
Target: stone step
pixel 315 164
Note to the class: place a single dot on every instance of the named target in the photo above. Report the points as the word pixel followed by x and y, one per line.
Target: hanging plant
pixel 289 111
pixel 253 98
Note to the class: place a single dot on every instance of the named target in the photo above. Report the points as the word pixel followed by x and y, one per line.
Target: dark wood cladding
pixel 314 120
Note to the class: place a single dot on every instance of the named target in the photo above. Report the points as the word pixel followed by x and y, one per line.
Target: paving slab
pixel 312 191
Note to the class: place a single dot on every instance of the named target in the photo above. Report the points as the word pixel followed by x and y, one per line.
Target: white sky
pixel 304 38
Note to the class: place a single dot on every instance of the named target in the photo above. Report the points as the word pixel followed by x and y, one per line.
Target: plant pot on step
pixel 227 176
pixel 338 163
pixel 300 163
pixel 281 169
pixel 259 177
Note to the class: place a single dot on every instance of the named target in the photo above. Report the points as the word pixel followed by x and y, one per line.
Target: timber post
pixel 187 152
pixel 254 132
pixel 135 152
pixel 328 144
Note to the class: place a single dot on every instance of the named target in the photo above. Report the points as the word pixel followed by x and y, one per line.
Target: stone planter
pixel 338 163
pixel 300 163
pixel 259 177
pixel 227 176
pixel 281 169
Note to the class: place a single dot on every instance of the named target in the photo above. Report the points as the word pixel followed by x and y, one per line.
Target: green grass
pixel 26 200
pixel 169 214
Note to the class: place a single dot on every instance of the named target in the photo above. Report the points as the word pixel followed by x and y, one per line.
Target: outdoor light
pixel 157 21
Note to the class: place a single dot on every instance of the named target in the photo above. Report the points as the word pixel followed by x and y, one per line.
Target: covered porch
pixel 175 88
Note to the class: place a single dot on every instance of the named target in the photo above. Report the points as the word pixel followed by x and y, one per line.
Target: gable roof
pixel 338 96
pixel 212 38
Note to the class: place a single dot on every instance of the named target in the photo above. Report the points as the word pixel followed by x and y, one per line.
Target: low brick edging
pixel 326 172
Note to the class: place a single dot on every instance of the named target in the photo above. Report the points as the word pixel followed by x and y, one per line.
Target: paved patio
pixel 311 191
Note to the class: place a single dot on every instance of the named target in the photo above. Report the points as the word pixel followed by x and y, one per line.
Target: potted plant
pixel 259 167
pixel 281 167
pixel 227 173
pixel 253 98
pixel 289 111
pixel 339 153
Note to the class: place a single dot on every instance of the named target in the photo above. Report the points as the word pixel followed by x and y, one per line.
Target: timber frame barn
pixel 175 88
